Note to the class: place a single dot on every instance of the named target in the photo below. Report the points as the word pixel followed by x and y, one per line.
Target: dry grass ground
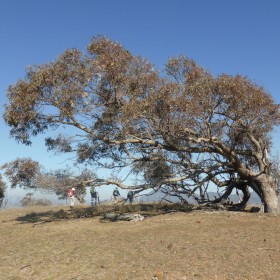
pixel 176 245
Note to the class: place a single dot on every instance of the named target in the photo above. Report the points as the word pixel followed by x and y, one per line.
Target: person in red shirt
pixel 71 195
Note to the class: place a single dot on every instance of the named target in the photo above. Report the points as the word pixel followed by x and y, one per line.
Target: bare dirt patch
pixel 177 245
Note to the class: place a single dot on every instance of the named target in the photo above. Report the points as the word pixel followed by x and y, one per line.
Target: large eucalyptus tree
pixel 183 128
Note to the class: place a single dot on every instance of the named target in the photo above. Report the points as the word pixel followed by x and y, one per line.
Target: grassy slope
pixel 181 245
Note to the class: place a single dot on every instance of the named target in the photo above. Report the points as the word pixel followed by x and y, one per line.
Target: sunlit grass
pixel 59 243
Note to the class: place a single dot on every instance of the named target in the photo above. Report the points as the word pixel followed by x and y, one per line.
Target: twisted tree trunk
pixel 265 187
pixel 246 196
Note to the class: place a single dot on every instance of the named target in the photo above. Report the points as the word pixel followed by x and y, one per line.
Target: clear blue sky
pixel 224 36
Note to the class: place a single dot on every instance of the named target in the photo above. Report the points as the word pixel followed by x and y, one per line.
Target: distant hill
pixel 160 196
pixel 13 197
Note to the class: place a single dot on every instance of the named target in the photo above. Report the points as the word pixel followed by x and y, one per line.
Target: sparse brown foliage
pixel 22 172
pixel 27 173
pixel 194 128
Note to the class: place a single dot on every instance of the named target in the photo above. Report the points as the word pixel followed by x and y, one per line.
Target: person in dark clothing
pixel 94 196
pixel 130 196
pixel 116 194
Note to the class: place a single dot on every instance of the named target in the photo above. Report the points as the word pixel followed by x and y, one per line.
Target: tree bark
pixel 269 197
pixel 246 196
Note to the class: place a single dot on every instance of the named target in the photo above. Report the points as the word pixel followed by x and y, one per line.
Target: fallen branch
pixel 123 217
pixel 42 222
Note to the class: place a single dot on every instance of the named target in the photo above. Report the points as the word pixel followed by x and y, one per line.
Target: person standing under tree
pixel 116 194
pixel 71 195
pixel 94 196
pixel 130 196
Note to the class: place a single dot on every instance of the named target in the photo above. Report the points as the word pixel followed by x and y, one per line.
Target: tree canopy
pixel 182 128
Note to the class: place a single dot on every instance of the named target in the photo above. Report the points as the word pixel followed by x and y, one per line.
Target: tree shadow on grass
pixel 36 217
pixel 62 214
pixel 147 210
